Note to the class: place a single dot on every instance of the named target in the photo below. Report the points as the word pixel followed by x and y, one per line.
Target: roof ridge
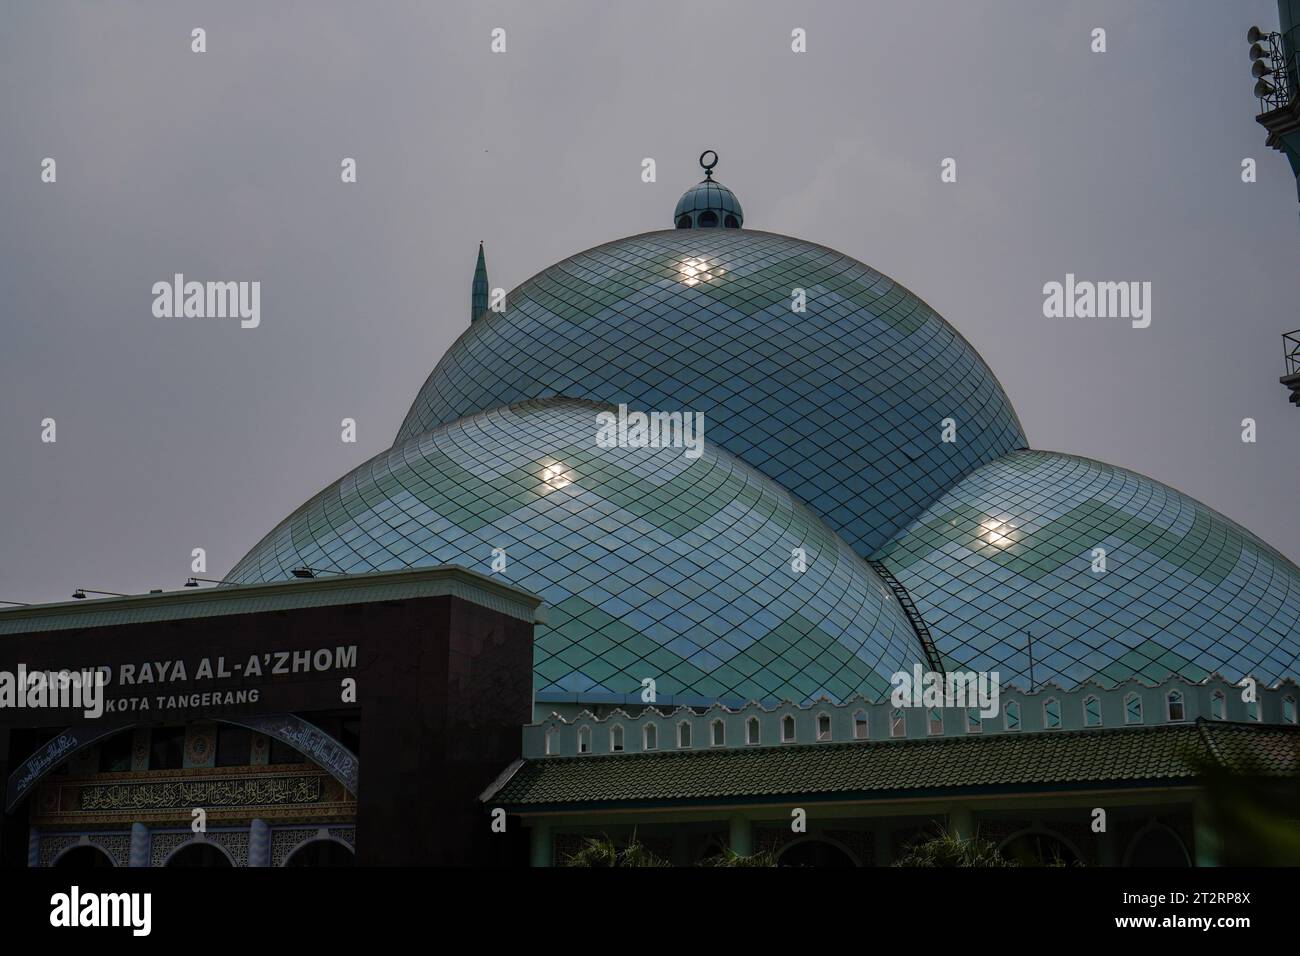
pixel 503 778
pixel 1203 731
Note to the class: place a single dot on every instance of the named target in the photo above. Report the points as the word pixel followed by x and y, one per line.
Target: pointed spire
pixel 478 302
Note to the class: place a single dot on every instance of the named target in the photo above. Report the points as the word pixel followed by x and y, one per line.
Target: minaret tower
pixel 478 301
pixel 1273 63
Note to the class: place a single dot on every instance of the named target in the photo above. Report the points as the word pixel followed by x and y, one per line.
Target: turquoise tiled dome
pixel 843 403
pixel 1009 552
pixel 652 564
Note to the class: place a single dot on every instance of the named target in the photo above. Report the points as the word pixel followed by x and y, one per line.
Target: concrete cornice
pixel 331 591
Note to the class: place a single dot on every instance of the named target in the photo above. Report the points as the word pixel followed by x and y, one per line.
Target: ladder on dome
pixel 913 615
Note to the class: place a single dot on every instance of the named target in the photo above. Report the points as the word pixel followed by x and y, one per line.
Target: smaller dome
pixel 708 204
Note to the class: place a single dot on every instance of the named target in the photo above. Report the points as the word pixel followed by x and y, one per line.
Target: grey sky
pixel 176 434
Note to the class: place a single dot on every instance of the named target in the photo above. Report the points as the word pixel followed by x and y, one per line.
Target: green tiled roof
pixel 1069 759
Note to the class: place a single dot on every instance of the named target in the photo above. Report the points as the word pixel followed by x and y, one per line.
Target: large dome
pixel 843 403
pixel 653 564
pixel 657 565
pixel 1009 552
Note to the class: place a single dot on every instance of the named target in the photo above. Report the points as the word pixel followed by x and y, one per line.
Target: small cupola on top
pixel 708 205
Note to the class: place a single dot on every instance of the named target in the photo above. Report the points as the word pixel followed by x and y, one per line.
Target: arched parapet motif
pixel 1041 830
pixel 286 841
pixel 312 742
pixel 1155 828
pixel 174 842
pixel 55 751
pixel 115 846
pixel 316 745
pixel 819 838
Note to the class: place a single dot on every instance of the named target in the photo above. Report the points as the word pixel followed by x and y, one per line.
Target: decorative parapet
pixel 1045 710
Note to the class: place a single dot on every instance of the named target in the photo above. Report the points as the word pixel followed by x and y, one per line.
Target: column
pixel 740 835
pixel 141 845
pixel 539 844
pixel 33 846
pixel 1207 841
pixel 961 822
pixel 882 844
pixel 682 847
pixel 1108 846
pixel 259 843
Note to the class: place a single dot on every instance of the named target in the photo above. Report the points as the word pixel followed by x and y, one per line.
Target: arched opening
pixel 83 858
pixel 819 853
pixel 199 854
pixel 1157 846
pixel 824 727
pixel 1174 708
pixel 164 747
pixel 684 222
pixel 708 219
pixel 730 222
pixel 1011 716
pixel 1052 714
pixel 321 853
pixel 1132 709
pixel 1034 848
pixel 713 848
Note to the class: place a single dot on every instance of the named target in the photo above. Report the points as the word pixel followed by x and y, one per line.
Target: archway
pixel 1157 845
pixel 316 745
pixel 815 852
pixel 199 854
pixel 321 853
pixel 712 848
pixel 83 858
pixel 1039 848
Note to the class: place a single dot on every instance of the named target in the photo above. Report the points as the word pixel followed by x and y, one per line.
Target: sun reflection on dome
pixel 1000 534
pixel 696 270
pixel 556 476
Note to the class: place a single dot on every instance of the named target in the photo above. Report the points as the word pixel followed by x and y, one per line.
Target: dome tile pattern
pixel 1008 552
pixel 652 564
pixel 842 403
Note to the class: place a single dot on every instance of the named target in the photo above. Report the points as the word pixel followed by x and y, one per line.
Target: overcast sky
pixel 174 434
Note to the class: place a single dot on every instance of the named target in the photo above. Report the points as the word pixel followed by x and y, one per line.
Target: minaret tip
pixel 478 301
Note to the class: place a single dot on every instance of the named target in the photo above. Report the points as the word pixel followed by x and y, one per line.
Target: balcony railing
pixel 1273 87
pixel 1291 345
